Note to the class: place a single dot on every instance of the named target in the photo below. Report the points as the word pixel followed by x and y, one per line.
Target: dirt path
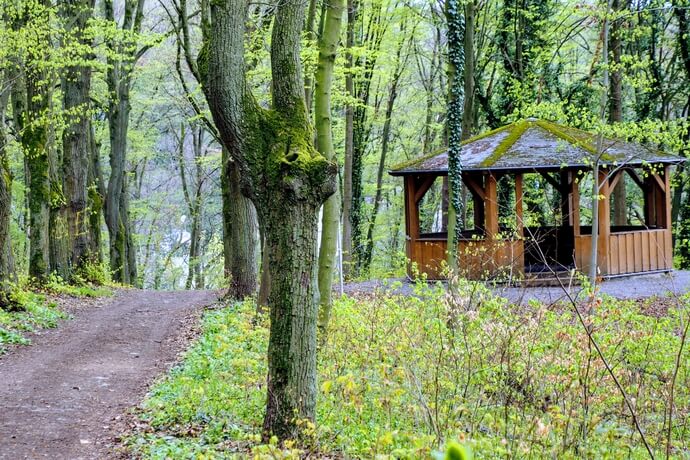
pixel 60 396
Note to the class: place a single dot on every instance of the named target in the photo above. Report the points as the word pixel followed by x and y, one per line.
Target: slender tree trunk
pixel 469 72
pixel 620 211
pixel 346 245
pixel 328 48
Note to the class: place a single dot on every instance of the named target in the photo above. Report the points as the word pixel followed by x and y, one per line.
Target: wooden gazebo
pixel 559 157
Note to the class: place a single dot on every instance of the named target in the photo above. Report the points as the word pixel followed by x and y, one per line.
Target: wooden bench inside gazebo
pixel 501 243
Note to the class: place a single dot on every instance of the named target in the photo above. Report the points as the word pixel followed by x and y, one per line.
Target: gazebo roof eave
pixel 522 169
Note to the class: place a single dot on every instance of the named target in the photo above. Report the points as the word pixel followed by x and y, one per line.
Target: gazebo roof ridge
pixel 530 144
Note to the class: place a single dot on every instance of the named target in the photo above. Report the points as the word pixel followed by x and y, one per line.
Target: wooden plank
pixel 667 193
pixel 615 250
pixel 604 223
pixel 629 253
pixel 661 250
pixel 424 186
pixel 645 251
pixel 653 264
pixel 622 258
pixel 575 204
pixel 474 186
pixel 669 249
pixel 518 204
pixel 637 237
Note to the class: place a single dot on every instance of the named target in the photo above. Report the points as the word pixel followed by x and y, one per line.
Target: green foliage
pixel 32 312
pixel 81 287
pixel 401 376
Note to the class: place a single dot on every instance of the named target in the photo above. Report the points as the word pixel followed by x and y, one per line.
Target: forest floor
pixel 63 396
pixel 629 287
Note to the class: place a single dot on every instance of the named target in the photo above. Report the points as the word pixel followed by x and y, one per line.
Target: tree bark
pixel 7 275
pixel 328 48
pixel 620 211
pixel 288 180
pixel 76 138
pixel 120 63
pixel 346 245
pixel 241 235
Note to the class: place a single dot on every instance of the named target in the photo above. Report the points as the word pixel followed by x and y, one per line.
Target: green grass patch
pixel 401 376
pixel 33 312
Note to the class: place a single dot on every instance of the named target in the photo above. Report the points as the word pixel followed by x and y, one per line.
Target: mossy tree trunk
pixel 76 138
pixel 456 85
pixel 34 140
pixel 121 59
pixel 7 274
pixel 328 48
pixel 288 180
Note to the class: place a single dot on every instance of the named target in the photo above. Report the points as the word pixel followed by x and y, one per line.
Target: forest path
pixel 60 397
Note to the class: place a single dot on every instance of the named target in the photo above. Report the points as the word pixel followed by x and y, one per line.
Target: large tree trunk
pixel 76 138
pixel 6 262
pixel 96 196
pixel 328 48
pixel 287 180
pixel 35 144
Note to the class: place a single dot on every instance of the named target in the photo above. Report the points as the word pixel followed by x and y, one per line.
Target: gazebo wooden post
pixel 491 206
pixel 575 203
pixel 411 217
pixel 604 222
pixel 519 224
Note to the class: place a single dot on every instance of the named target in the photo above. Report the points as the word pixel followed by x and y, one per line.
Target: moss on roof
pixel 534 143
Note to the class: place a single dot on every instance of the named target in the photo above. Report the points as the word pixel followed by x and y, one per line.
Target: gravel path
pixel 630 287
pixel 61 396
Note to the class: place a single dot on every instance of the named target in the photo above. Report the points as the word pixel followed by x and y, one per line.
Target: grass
pixel 34 311
pixel 399 377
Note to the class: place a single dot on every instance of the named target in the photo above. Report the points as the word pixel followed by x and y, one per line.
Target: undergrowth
pixel 401 376
pixel 32 310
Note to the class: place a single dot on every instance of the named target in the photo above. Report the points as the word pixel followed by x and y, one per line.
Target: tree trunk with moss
pixel 456 84
pixel 288 180
pixel 76 138
pixel 34 141
pixel 328 48
pixel 121 60
pixel 6 263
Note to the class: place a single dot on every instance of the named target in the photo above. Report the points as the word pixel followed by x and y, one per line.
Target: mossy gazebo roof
pixel 536 144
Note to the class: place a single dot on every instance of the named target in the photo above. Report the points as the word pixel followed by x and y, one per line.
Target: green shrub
pixel 401 376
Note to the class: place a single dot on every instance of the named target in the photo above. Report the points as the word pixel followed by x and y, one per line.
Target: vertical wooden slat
pixel 575 206
pixel 604 223
pixel 615 250
pixel 629 253
pixel 622 258
pixel 653 242
pixel 518 204
pixel 645 250
pixel 669 249
pixel 637 238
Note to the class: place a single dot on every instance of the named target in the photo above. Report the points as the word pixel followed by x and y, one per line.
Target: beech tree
pixel 288 181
